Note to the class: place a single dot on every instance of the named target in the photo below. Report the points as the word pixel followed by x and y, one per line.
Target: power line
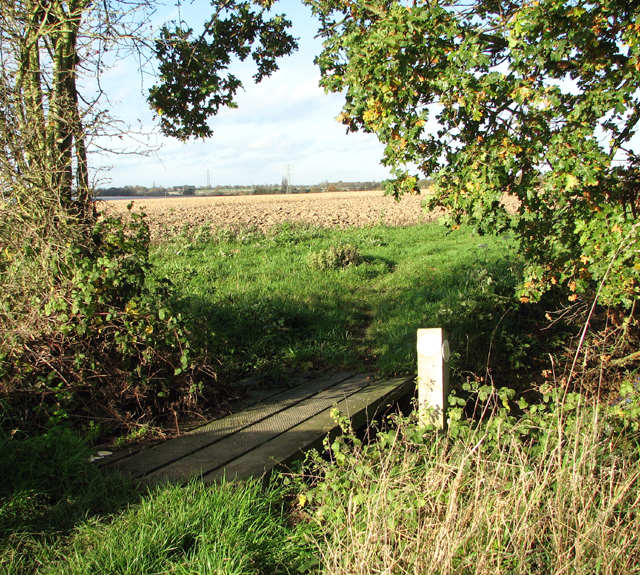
pixel 288 177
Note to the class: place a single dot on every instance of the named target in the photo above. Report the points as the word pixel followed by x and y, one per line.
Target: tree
pixel 539 100
pixel 41 124
pixel 47 47
pixel 81 327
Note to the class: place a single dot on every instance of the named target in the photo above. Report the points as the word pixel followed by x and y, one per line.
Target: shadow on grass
pixel 372 322
pixel 271 335
pixel 48 485
pixel 373 266
pixel 491 333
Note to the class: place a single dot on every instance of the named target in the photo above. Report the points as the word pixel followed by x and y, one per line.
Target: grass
pixel 553 490
pixel 48 487
pixel 231 530
pixel 261 304
pixel 61 514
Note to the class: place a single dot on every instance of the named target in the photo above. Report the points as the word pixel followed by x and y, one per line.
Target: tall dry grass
pixel 558 494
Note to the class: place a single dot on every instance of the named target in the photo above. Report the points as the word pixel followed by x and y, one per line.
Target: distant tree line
pixel 325 186
pixel 129 191
pixel 341 186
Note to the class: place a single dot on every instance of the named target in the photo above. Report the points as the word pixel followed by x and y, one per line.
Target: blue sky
pixel 285 120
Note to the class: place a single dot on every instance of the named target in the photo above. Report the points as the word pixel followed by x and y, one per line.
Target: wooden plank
pixel 212 457
pixel 163 454
pixel 361 407
pixel 254 396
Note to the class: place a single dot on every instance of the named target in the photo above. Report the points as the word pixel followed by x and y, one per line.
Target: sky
pixel 285 124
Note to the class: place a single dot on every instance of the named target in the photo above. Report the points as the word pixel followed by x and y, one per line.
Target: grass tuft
pixel 335 257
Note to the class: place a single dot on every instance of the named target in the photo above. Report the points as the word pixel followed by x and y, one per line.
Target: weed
pixel 137 434
pixel 554 490
pixel 335 257
pixel 294 233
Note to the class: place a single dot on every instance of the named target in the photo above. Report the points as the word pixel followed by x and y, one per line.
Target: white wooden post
pixel 433 376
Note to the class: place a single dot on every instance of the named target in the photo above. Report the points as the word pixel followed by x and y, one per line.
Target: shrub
pixel 552 491
pixel 96 336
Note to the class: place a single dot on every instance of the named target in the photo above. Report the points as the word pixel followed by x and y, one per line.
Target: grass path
pixel 259 306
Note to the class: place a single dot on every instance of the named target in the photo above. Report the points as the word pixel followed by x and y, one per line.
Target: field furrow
pixel 329 209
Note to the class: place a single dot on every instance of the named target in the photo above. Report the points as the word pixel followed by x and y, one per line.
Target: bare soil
pixel 169 216
pixel 328 209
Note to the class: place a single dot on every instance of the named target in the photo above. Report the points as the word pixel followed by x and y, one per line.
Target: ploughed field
pixel 328 209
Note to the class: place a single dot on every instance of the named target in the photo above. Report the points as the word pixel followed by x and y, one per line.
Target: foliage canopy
pixel 535 99
pixel 194 82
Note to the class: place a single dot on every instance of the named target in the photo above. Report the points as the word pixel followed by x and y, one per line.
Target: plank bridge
pixel 272 432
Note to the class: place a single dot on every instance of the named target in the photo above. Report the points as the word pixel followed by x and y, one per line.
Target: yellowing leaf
pixel 369 116
pixel 572 181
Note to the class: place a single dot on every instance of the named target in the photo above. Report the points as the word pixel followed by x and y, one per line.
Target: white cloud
pixel 287 119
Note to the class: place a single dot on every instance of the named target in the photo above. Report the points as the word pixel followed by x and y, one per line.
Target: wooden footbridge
pixel 273 431
pixel 276 427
